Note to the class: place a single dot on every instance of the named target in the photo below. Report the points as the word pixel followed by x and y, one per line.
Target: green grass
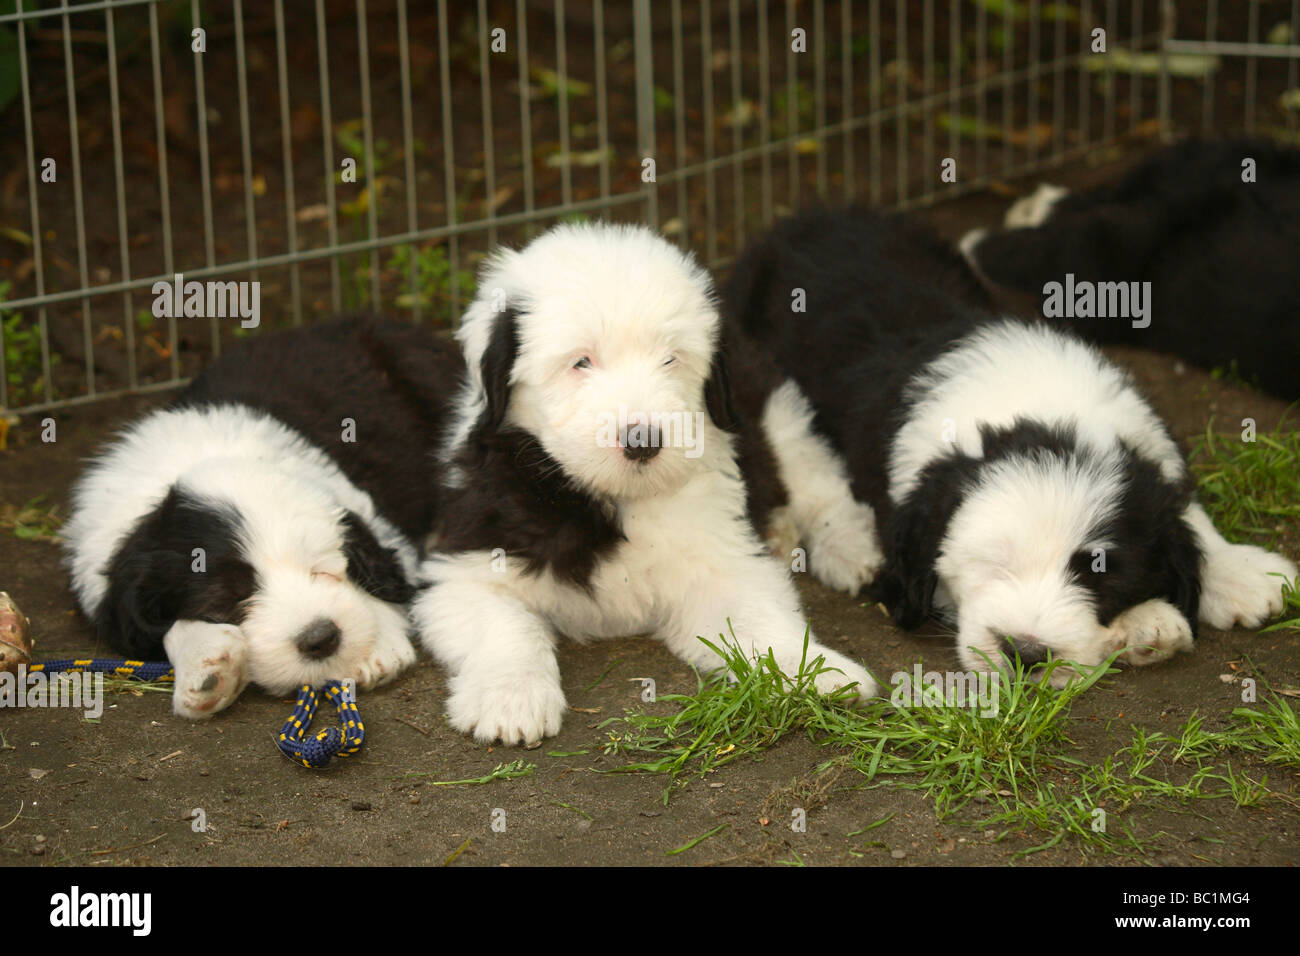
pixel 1018 770
pixel 1250 489
pixel 502 771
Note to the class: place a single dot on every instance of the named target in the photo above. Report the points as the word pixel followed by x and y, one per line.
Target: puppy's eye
pixel 670 360
pixel 327 574
pixel 583 362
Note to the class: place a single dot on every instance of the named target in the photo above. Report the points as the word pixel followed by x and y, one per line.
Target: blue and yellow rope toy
pixel 315 751
pixel 341 741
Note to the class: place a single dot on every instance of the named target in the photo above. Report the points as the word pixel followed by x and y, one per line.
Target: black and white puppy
pixel 1025 490
pixel 1214 227
pixel 595 483
pixel 265 526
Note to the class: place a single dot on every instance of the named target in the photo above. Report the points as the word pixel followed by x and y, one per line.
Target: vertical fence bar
pixel 1031 83
pixel 679 126
pixel 205 170
pixel 765 110
pixel 368 134
pixel 1293 67
pixel 1008 85
pixel 119 178
pixel 38 258
pixel 819 90
pixel 1058 89
pixel 927 91
pixel 954 80
pixel 245 137
pixel 737 131
pixel 706 81
pixel 901 59
pixel 1108 115
pixel 164 191
pixel 408 156
pixel 602 103
pixel 562 105
pixel 327 149
pixel 645 100
pixel 846 92
pixel 448 158
pixel 525 115
pixel 876 160
pixel 791 104
pixel 1207 93
pixel 1166 34
pixel 1085 53
pixel 286 149
pixel 74 136
pixel 1252 65
pixel 981 91
pixel 1135 76
pixel 489 134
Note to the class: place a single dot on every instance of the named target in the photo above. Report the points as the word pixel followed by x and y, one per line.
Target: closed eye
pixel 670 360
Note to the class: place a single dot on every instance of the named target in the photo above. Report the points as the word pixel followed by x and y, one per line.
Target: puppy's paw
pixel 1034 209
pixel 519 708
pixel 1150 632
pixel 828 682
pixel 843 551
pixel 211 664
pixel 391 656
pixel 1240 585
pixel 782 535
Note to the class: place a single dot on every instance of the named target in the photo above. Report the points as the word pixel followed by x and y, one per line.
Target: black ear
pixel 912 537
pixel 497 363
pixel 144 597
pixel 718 399
pixel 371 566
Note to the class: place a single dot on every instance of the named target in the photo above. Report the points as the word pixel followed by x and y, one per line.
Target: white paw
pixel 843 551
pixel 389 659
pixel 1150 632
pixel 1239 585
pixel 211 664
pixel 519 708
pixel 782 535
pixel 1033 209
pixel 828 682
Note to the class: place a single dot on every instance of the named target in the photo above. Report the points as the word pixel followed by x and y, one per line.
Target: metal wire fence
pixel 214 139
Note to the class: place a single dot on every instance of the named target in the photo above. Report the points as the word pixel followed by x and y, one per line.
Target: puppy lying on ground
pixel 1025 490
pixel 594 485
pixel 1220 255
pixel 264 527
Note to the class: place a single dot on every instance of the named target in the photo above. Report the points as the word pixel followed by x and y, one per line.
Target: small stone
pixel 415 798
pixel 40 838
pixel 898 854
pixel 360 806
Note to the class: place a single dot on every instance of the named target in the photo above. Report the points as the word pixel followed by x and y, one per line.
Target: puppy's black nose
pixel 640 452
pixel 1031 650
pixel 319 639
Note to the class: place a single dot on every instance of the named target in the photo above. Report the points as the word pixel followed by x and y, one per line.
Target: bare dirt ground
pixel 121 791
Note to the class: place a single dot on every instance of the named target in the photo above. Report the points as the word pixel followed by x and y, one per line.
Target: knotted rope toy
pixel 315 751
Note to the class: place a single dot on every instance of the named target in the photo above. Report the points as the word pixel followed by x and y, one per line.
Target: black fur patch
pixel 372 567
pixel 1220 255
pixel 151 583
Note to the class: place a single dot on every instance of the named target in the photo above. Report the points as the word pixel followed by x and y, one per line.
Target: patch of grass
pixel 698 840
pixel 1290 616
pixel 433 277
pixel 1250 489
pixel 502 771
pixel 33 521
pixel 22 354
pixel 1018 763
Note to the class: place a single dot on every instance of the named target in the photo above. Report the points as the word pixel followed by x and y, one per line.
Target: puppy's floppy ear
pixel 497 362
pixel 372 567
pixel 144 597
pixel 912 537
pixel 718 399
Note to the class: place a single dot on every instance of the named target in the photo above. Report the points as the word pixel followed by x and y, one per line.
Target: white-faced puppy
pixel 594 488
pixel 1025 490
pixel 1208 233
pixel 260 529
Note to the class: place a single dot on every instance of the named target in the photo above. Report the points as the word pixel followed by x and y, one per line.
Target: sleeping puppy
pixel 594 483
pixel 1025 491
pixel 264 527
pixel 1219 253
